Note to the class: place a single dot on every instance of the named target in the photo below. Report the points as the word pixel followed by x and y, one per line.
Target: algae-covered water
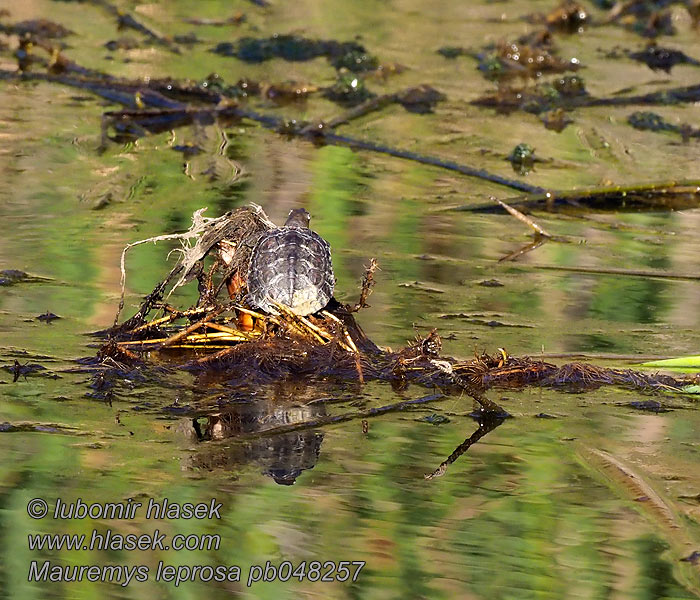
pixel 579 495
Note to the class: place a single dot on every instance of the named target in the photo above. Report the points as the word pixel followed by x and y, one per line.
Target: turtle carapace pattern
pixel 291 265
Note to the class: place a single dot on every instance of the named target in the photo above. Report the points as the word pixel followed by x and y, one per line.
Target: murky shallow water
pixel 601 501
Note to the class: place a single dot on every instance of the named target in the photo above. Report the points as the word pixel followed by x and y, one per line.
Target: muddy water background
pixel 538 508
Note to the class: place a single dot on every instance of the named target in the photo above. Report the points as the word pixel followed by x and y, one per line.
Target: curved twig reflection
pixel 487 423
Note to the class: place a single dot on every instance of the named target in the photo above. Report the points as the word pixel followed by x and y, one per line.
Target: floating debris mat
pixel 222 331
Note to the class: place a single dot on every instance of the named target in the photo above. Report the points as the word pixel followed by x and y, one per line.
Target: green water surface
pixel 599 502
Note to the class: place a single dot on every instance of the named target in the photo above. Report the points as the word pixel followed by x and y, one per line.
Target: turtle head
pixel 298 217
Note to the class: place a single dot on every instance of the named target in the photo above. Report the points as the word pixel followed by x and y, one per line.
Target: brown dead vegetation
pixel 221 333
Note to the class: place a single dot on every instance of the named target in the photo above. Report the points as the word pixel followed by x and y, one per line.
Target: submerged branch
pixel 658 195
pixel 434 161
pixel 614 271
pixel 177 113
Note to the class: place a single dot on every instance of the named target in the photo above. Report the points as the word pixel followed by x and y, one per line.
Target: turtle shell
pixel 292 266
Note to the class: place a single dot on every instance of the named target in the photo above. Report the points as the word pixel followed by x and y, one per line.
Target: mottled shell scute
pixel 292 266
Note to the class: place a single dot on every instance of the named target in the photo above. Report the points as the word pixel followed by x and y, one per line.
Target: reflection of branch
pixel 333 419
pixel 524 250
pixel 487 423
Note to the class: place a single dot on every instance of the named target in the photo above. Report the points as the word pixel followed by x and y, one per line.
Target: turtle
pixel 291 265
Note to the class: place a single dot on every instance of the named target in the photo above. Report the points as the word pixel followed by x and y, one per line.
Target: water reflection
pixel 282 456
pixel 257 430
pixel 487 422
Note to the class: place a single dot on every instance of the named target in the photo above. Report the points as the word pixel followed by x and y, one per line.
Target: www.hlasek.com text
pixel 110 540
